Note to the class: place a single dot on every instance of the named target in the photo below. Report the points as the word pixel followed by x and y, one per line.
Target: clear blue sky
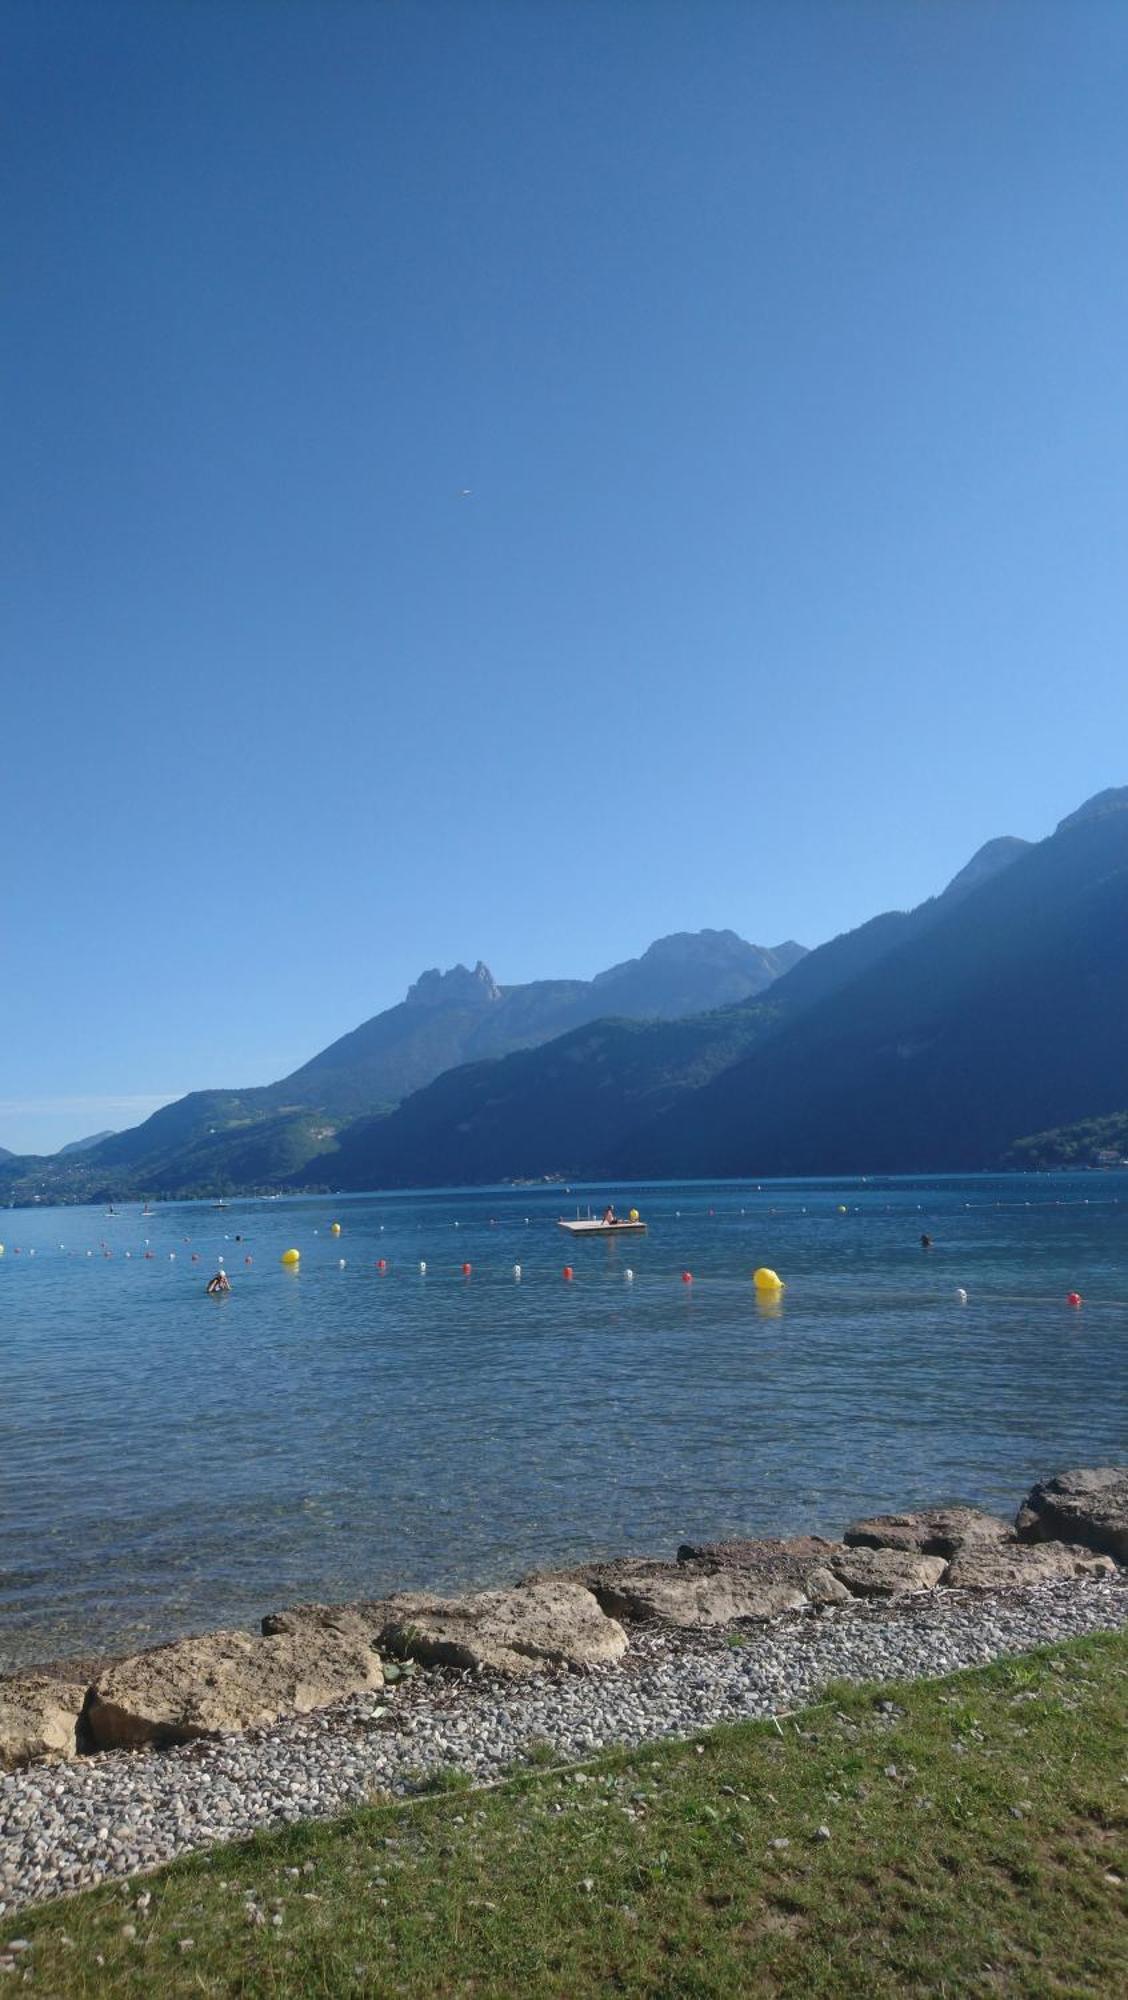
pixel 783 349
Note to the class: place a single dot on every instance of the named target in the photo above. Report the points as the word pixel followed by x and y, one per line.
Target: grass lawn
pixel 965 1836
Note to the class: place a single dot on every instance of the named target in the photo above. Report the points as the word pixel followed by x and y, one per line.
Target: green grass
pixel 977 1845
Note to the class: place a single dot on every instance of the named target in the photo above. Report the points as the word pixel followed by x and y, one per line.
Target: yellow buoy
pixel 291 1257
pixel 634 1215
pixel 767 1281
pixel 842 1208
pixel 334 1229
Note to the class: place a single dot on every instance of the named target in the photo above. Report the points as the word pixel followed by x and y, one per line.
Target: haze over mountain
pixel 932 1038
pixel 83 1145
pixel 260 1135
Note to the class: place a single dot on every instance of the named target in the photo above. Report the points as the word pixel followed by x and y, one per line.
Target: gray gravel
pixel 66 1826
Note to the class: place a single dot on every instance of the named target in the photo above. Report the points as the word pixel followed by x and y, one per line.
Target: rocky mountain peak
pixel 1113 799
pixel 457 987
pixel 988 860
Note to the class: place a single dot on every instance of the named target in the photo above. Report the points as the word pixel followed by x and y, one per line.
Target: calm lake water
pixel 169 1461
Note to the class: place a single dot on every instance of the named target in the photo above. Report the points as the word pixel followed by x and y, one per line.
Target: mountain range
pixel 262 1136
pixel 929 1039
pixel 924 1040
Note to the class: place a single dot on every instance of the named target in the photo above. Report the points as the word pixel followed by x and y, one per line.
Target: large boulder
pixel 226 1681
pixel 934 1531
pixel 1018 1564
pixel 886 1572
pixel 360 1622
pixel 715 1583
pixel 1082 1506
pixel 546 1622
pixel 793 1554
pixel 686 1596
pixel 38 1718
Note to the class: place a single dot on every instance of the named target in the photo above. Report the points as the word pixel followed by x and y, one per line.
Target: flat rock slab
pixel 38 1718
pixel 225 1681
pixel 794 1554
pixel 754 1580
pixel 1019 1565
pixel 691 1598
pixel 548 1622
pixel 360 1622
pixel 934 1531
pixel 886 1572
pixel 1082 1506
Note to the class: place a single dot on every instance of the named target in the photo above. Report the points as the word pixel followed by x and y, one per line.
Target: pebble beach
pixel 68 1826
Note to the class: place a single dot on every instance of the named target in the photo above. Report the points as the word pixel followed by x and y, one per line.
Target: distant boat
pixel 219 1204
pixel 594 1225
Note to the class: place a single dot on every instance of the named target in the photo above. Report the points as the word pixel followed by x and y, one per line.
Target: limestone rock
pixel 886 1572
pixel 801 1561
pixel 38 1718
pixel 223 1681
pixel 934 1531
pixel 549 1621
pixel 768 1550
pixel 690 1597
pixel 823 1587
pixel 1018 1564
pixel 360 1622
pixel 1082 1506
pixel 728 1580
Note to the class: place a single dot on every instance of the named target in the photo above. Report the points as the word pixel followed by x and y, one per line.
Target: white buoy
pixel 961 1295
pixel 516 1270
pixel 628 1274
pixel 340 1263
pixel 422 1268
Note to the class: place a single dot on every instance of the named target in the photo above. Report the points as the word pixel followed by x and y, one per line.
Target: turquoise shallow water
pixel 169 1461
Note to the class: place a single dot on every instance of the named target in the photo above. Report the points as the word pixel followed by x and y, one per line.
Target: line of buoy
pixel 767 1282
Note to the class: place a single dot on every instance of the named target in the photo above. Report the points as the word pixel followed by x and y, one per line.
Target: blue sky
pixel 781 347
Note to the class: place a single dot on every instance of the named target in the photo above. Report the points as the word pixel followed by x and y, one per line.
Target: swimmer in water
pixel 220 1283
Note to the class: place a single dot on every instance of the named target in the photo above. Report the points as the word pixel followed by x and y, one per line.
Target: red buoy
pixel 687 1277
pixel 567 1270
pixel 1073 1298
pixel 381 1263
pixel 466 1269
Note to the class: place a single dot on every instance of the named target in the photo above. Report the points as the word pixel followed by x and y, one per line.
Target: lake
pixel 169 1461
